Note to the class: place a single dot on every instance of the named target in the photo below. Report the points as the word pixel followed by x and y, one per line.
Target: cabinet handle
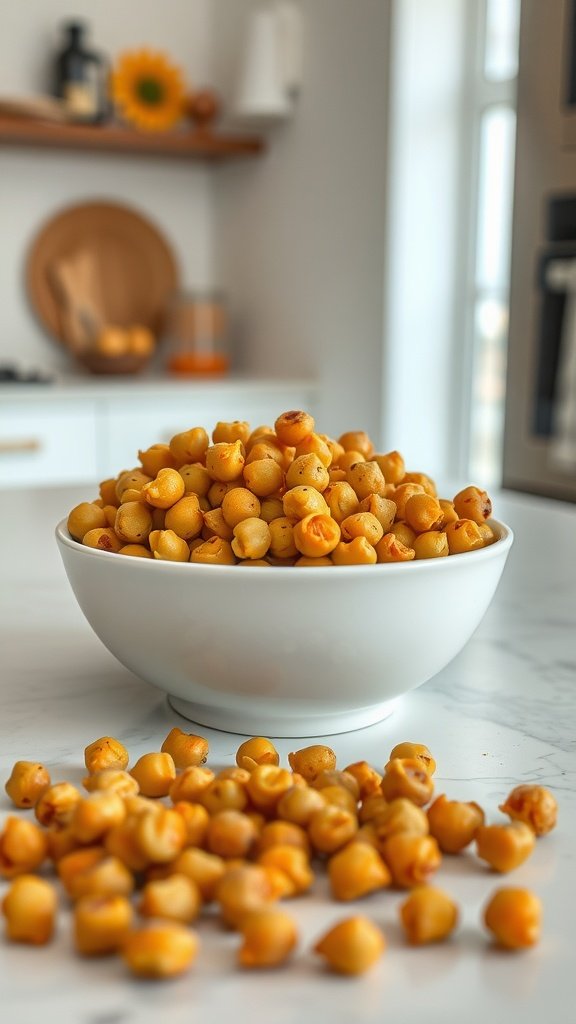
pixel 19 444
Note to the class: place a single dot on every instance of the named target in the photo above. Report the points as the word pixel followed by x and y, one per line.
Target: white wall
pixel 34 184
pixel 300 234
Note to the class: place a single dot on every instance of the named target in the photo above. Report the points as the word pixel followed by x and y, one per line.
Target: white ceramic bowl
pixel 284 651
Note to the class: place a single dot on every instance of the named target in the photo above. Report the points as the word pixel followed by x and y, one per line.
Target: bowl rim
pixel 496 550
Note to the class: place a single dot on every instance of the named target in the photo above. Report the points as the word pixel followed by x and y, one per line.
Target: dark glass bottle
pixel 81 77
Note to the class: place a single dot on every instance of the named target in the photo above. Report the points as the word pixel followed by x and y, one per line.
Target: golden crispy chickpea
pixel 252 538
pixel 292 427
pixel 312 563
pixel 400 816
pixel 299 804
pixel 185 517
pixel 310 761
pixel 225 462
pixel 239 503
pixel 28 781
pixel 428 915
pixel 412 858
pixel 107 491
pixel 197 479
pixel 203 868
pixel 243 889
pixel 234 772
pixel 133 522
pixel 109 876
pixel 95 815
pixel 487 533
pixel 195 818
pixel 165 490
pixel 155 458
pixel 401 495
pixel 263 477
pixel 190 783
pixel 308 471
pixel 271 508
pixel 352 946
pixel 228 432
pixel 136 551
pixel 342 500
pixel 472 503
pixel 355 552
pixel 269 450
pixel 534 805
pixel 106 752
pixel 504 847
pixel 213 552
pixel 154 774
pixel 432 544
pixel 336 449
pixel 366 478
pixel 189 446
pixel 101 924
pixel 416 751
pixel 406 776
pixel 266 785
pixel 371 807
pixel 255 751
pixel 463 535
pixel 302 501
pixel 349 458
pixel 313 444
pixel 357 441
pixel 367 778
pixel 23 847
pixel 158 518
pixel 110 514
pixel 339 796
pixel 230 833
pixel 175 898
pixel 130 494
pixel 217 492
pixel 331 827
pixel 160 950
pixel 357 870
pixel 168 546
pixel 337 475
pixel 57 803
pixel 282 833
pixel 392 466
pixel 186 749
pixel 130 480
pixel 161 835
pixel 362 524
pixel 29 907
pixel 403 533
pixel 454 823
pixel 216 526
pixel 392 549
pixel 268 938
pixel 449 514
pixel 122 843
pixel 382 508
pixel 423 512
pixel 423 480
pixel 316 535
pixel 103 539
pixel 513 916
pixel 84 517
pixel 60 842
pixel 293 866
pixel 282 538
pixel 114 779
pixel 224 795
pixel 333 777
pixel 75 864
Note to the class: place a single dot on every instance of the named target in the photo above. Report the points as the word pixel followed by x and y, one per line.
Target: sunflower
pixel 148 90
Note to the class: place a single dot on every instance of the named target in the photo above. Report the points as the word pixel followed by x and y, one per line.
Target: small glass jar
pixel 197 334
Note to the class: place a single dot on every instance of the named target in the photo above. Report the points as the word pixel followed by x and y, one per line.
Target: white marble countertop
pixel 502 713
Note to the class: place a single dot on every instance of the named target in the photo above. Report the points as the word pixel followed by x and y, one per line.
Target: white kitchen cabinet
pixel 84 431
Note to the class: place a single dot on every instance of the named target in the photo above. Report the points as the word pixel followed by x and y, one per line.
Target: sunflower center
pixel 150 91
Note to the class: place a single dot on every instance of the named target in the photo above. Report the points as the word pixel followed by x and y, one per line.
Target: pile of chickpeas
pixel 281 495
pixel 145 850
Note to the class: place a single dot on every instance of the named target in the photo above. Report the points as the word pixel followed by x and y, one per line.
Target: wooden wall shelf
pixel 190 145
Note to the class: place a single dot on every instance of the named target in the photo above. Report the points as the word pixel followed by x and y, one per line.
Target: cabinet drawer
pixel 41 443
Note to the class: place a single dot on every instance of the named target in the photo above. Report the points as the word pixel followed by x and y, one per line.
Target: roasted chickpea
pixel 367 778
pixel 168 546
pixel 412 858
pixel 534 805
pixel 101 924
pixel 313 444
pixel 453 823
pixel 316 535
pixel 362 524
pixel 196 818
pixel 190 783
pixel 403 533
pixel 29 907
pixel 423 512
pixel 352 946
pixel 84 517
pixel 299 804
pixel 292 427
pixel 27 782
pixel 432 544
pixel 282 539
pixel 203 868
pixel 23 847
pixel 154 774
pixel 112 779
pixel 383 509
pixel 252 538
pixel 268 938
pixel 160 835
pixel 282 833
pixel 216 526
pixel 504 847
pixel 104 539
pixel 175 898
pixel 266 450
pixel 357 441
pixel 371 807
pixel 308 471
pixel 355 552
pixel 255 751
pixel 160 950
pixel 239 503
pixel 133 522
pixel 313 563
pixel 392 466
pixel 302 501
pixel 95 815
pixel 463 535
pixel 242 890
pixel 231 834
pixel 449 514
pixel 293 866
pixel 213 552
pixel 392 549
pixel 224 795
pixel 271 508
pixel 513 916
pixel 331 827
pixel 130 480
pixel 165 490
pixel 228 432
pixel 341 500
pixel 105 752
pixel 310 761
pixel 349 458
pixel 57 803
pixel 330 777
pixel 399 816
pixel 186 749
pixel 189 446
pixel 416 751
pixel 472 503
pixel 428 915
pixel 423 480
pixel 107 491
pixel 266 785
pixel 136 551
pixel 401 496
pixel 357 870
pixel 155 458
pixel 336 449
pixel 487 533
pixel 225 462
pixel 366 478
pixel 197 479
pixel 185 517
pixel 97 875
pixel 405 776
pixel 263 477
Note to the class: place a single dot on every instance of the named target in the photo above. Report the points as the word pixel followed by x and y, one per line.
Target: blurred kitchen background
pixel 216 209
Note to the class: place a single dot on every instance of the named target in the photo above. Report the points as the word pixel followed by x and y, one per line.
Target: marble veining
pixel 503 712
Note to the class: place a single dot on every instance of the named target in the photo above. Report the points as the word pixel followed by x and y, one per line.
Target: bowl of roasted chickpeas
pixel 279 578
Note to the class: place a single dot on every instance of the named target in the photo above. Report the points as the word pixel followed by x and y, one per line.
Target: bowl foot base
pixel 282 724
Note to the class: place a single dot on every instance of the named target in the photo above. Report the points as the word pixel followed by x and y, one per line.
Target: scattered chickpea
pixel 241 890
pixel 27 782
pixel 371 807
pixel 412 858
pixel 357 870
pixel 204 869
pixel 57 803
pixel 266 786
pixel 168 546
pixel 23 847
pixel 196 819
pixel 95 815
pixel 230 833
pixel 224 795
pixel 294 865
pixel 186 749
pixel 190 783
pixel 534 805
pixel 29 908
pixel 106 752
pixel 472 503
pixel 428 915
pixel 352 946
pixel 406 776
pixel 282 833
pixel 400 816
pixel 513 916
pixel 106 876
pixel 417 751
pixel 299 804
pixel 268 938
pixel 255 751
pixel 154 774
pixel 310 761
pixel 505 847
pixel 101 924
pixel 367 778
pixel 160 950
pixel 331 828
pixel 176 898
pixel 114 779
pixel 454 823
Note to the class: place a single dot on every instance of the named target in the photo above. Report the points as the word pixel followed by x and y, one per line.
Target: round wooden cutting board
pixel 133 265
